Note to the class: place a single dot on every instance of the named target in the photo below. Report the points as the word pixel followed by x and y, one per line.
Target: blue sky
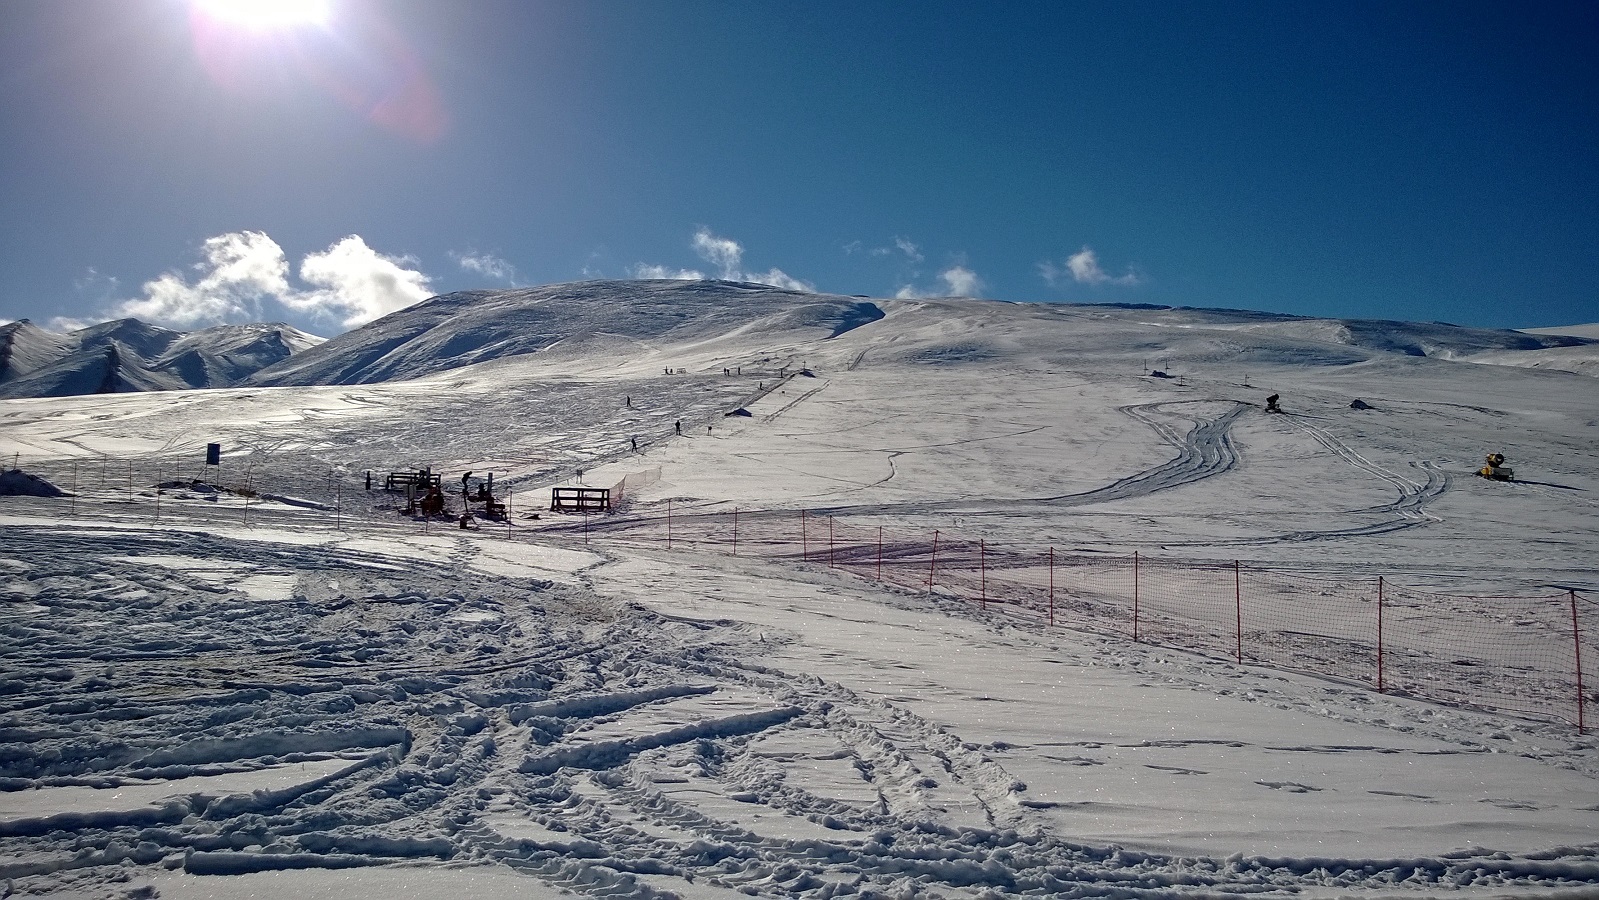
pixel 174 160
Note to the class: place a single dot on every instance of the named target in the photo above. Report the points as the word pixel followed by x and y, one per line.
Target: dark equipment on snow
pixel 433 502
pixel 580 499
pixel 1496 470
pixel 421 478
pixel 1271 404
pixel 492 509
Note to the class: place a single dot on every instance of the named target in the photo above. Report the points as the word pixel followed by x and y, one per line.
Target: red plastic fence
pixel 1519 654
pixel 1528 655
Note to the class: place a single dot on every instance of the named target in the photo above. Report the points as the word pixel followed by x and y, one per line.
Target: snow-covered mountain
pixel 581 323
pixel 585 324
pixel 943 597
pixel 1590 330
pixel 26 348
pixel 128 355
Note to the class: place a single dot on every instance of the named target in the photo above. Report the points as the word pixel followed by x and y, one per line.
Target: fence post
pixel 1052 587
pixel 879 553
pixel 1238 611
pixel 668 523
pixel 338 507
pixel 1135 596
pixel 982 568
pixel 130 482
pixel 805 540
pixel 1379 633
pixel 735 531
pixel 74 487
pixel 509 494
pixel 1576 641
pixel 932 567
pixel 830 542
pixel 158 490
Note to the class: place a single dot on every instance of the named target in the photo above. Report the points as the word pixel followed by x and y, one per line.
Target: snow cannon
pixel 1495 468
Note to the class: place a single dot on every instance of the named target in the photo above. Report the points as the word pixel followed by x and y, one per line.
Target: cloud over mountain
pixel 1083 267
pixel 727 255
pixel 244 276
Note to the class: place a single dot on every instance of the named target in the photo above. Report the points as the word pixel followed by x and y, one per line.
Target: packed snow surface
pixel 264 679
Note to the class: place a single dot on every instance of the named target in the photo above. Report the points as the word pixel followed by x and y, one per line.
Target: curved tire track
pixel 1204 451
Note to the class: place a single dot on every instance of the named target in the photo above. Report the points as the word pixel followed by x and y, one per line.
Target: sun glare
pixel 265 14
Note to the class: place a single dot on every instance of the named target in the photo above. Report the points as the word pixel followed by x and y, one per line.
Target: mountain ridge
pixel 128 355
pixel 614 323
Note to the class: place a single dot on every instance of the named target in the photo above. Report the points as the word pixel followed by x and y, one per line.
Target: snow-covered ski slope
pixel 315 695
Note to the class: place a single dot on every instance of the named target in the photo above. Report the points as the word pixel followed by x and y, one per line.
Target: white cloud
pixel 959 281
pixel 902 245
pixel 962 282
pixel 486 264
pixel 237 272
pixel 358 283
pixel 724 253
pixel 911 251
pixel 1083 267
pixel 92 285
pixel 243 273
pixel 593 266
pixel 69 324
pixel 778 278
pixel 662 272
pixel 727 255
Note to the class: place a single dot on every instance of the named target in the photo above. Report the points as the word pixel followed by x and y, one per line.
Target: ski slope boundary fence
pixel 1528 655
pixel 1521 654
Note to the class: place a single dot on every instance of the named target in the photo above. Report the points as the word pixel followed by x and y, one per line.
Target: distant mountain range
pixel 128 355
pixel 584 325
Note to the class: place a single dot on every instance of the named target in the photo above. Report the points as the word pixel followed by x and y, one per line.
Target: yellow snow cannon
pixel 1496 470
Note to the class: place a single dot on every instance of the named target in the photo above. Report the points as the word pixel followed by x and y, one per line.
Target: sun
pixel 266 14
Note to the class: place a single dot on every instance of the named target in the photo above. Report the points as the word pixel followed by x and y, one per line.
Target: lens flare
pixel 346 49
pixel 266 14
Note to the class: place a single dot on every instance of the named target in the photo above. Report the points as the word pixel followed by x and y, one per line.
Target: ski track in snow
pixel 538 726
pixel 245 688
pixel 1204 450
pixel 542 727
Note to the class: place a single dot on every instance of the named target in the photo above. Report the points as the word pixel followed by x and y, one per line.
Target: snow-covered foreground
pixel 331 699
pixel 697 725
